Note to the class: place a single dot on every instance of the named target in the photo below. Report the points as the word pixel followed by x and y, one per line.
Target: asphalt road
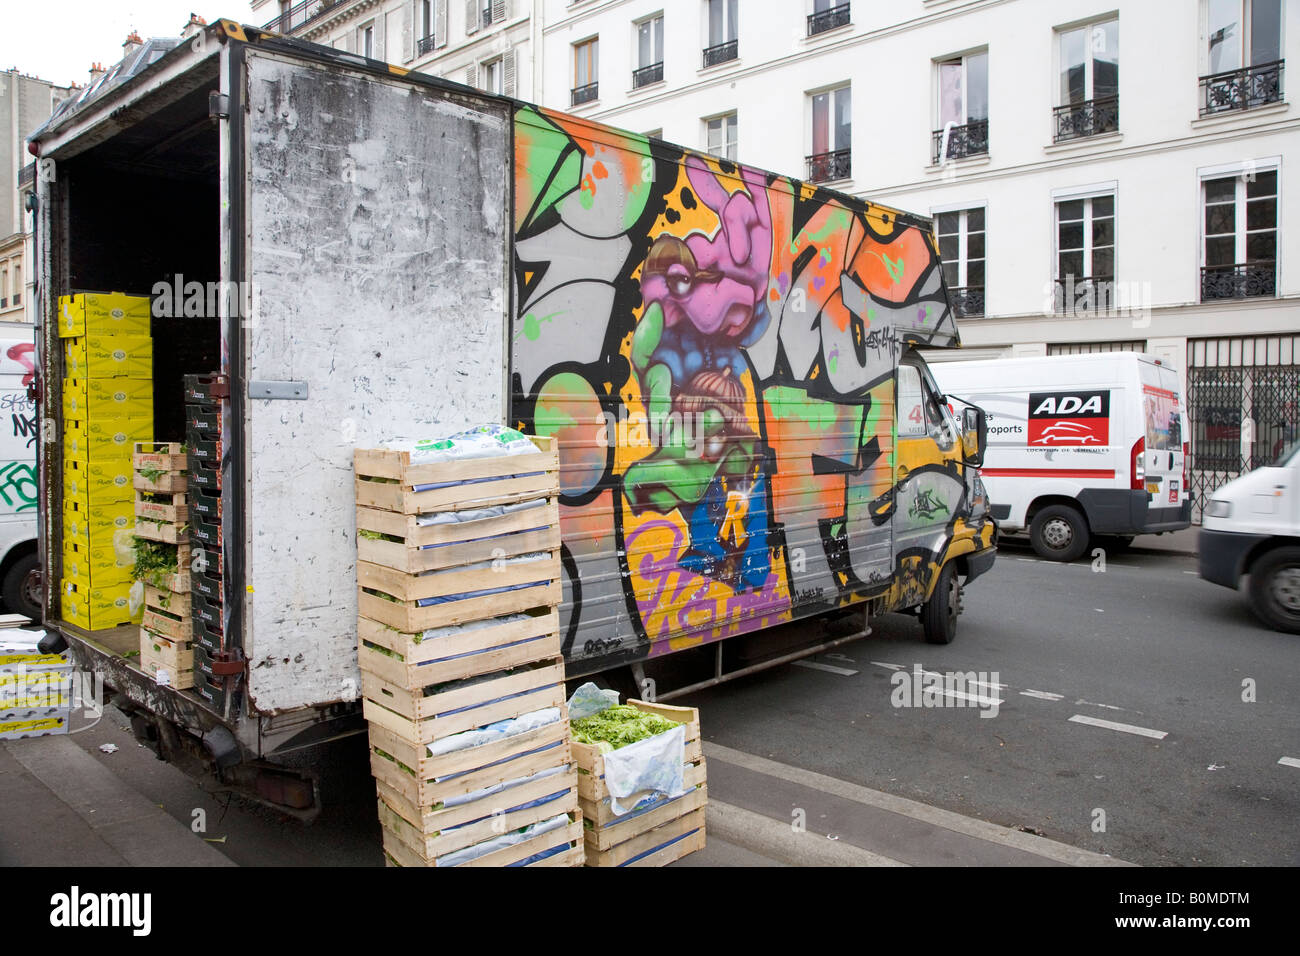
pixel 1145 643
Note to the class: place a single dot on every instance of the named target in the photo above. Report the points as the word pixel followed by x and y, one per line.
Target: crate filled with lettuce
pixel 641 779
pixel 462 676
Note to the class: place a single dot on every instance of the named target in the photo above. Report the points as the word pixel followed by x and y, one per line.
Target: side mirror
pixel 974 435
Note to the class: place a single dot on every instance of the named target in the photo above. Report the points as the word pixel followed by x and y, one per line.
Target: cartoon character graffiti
pixel 703 301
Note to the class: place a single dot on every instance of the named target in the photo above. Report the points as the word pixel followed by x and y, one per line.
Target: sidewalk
pixel 1183 542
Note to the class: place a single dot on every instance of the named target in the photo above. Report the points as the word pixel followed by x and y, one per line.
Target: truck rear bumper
pixel 1221 555
pixel 979 563
pixel 1126 511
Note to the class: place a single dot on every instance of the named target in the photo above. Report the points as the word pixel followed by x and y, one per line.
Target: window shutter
pixel 498 10
pixel 508 64
pixel 440 23
pixel 381 38
pixel 471 75
pixel 471 16
pixel 408 31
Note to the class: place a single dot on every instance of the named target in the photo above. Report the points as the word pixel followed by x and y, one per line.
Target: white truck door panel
pixel 377 250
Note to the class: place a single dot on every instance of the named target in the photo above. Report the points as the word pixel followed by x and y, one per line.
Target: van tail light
pixel 1186 474
pixel 1137 474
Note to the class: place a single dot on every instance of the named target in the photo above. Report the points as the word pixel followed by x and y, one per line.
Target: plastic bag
pixel 590 699
pixel 135 599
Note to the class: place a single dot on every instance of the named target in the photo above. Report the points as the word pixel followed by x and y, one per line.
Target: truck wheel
pixel 1059 533
pixel 22 590
pixel 939 614
pixel 1275 589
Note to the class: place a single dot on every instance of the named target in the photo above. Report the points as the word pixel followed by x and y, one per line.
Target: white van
pixel 1252 527
pixel 20 577
pixel 1079 445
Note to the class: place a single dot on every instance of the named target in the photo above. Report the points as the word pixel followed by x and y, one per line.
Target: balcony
pixel 424 46
pixel 720 53
pixel 828 19
pixel 958 142
pixel 1243 280
pixel 967 301
pixel 654 73
pixel 301 14
pixel 1242 89
pixel 585 94
pixel 1089 118
pixel 1083 295
pixel 829 167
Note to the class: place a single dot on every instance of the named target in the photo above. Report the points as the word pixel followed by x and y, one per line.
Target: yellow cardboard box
pixel 103 355
pixel 81 489
pixel 93 607
pixel 111 312
pixel 88 399
pixel 88 527
pixel 102 438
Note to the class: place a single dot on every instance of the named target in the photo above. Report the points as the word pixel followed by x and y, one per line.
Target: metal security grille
pixel 1242 396
pixel 1091 348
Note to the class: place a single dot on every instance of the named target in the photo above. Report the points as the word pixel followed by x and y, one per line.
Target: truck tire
pixel 1275 589
pixel 21 589
pixel 1059 533
pixel 939 614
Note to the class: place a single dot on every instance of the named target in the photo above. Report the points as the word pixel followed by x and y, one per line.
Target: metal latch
pixel 218 105
pixel 283 391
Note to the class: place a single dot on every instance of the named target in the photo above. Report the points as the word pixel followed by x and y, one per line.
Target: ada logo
pixel 1076 419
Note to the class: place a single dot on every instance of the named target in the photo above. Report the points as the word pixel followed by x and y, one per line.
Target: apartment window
pixel 586 60
pixel 4 288
pixel 722 136
pixel 425 44
pixel 963 108
pixel 1240 246
pixel 1243 55
pixel 368 41
pixel 494 77
pixel 1089 91
pixel 18 284
pixel 1085 253
pixel 961 250
pixel 827 15
pixel 649 52
pixel 832 136
pixel 723 44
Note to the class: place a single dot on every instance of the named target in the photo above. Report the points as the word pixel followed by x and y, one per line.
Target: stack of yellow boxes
pixel 107 407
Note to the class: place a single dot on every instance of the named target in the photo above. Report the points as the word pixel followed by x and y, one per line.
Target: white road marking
pixel 829 668
pixel 1123 728
pixel 1289 762
pixel 1042 695
pixel 1099 610
pixel 892 667
pixel 1189 572
pixel 961 695
pixel 1093 703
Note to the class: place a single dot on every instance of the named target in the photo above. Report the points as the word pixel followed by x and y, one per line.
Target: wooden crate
pixel 165 457
pixel 175 511
pixel 536 583
pixel 386 480
pixel 168 613
pixel 401 854
pixel 612 840
pixel 174 656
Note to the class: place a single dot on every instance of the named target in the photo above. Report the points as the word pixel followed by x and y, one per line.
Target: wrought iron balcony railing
pixel 1242 89
pixel 585 94
pixel 300 14
pixel 1082 295
pixel 828 19
pixel 958 142
pixel 1239 281
pixel 647 75
pixel 1076 120
pixel 720 53
pixel 828 167
pixel 967 301
pixel 425 45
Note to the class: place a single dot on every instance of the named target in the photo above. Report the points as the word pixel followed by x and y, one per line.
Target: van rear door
pixel 1162 411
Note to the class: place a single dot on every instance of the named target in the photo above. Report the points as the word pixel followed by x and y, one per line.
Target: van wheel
pixel 1275 589
pixel 22 590
pixel 939 614
pixel 1059 533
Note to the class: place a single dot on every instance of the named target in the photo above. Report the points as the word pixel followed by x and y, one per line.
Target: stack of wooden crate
pixel 162 517
pixel 457 633
pixel 659 832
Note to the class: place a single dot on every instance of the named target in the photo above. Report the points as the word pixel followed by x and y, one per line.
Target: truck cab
pixel 1251 529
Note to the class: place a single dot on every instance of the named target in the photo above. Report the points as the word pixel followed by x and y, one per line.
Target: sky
pixel 57 40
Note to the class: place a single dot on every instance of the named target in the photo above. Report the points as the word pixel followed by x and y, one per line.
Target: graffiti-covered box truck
pixel 20 579
pixel 1080 445
pixel 716 350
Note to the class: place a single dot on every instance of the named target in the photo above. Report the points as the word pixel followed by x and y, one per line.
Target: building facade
pixel 1101 175
pixel 25 103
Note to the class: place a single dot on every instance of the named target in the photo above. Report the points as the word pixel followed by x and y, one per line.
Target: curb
pixel 778 841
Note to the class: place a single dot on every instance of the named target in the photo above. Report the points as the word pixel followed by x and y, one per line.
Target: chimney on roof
pixel 96 71
pixel 196 25
pixel 132 43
